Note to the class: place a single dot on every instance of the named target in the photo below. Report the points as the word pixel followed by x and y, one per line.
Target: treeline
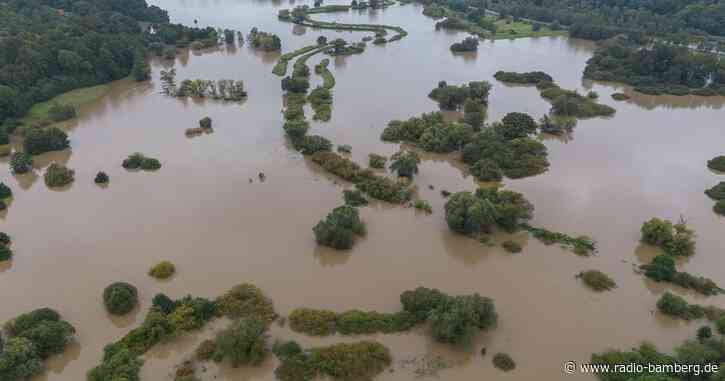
pixel 48 47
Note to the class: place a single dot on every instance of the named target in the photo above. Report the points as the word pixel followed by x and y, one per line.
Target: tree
pixel 21 162
pixel 405 163
pixel 455 320
pixel 41 140
pixel 244 342
pixel 657 232
pixel 338 229
pixel 5 191
pixel 468 213
pixel 662 268
pixel 120 298
pixel 58 175
pixel 321 40
pixel 19 359
pixel 516 125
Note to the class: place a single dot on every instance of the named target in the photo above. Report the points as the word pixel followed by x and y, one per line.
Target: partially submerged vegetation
pixel 42 140
pixel 717 163
pixel 163 270
pixel 223 89
pixel 405 163
pixel 263 40
pixel 140 161
pixel 6 253
pixel 58 175
pixel 504 362
pixel 345 361
pixel 339 228
pixel 528 78
pixel 476 213
pixel 469 44
pixel 120 298
pixel 29 340
pixel 569 103
pixel 663 269
pixel 674 239
pixel 581 245
pixel 377 161
pixel 597 280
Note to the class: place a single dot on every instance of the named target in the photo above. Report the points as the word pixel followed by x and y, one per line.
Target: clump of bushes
pixel 139 161
pixel 423 205
pixel 120 298
pixel 504 362
pixel 5 252
pixel 673 305
pixel 405 163
pixel 451 97
pixel 662 269
pixel 354 361
pixel 321 100
pixel 311 144
pixel 339 228
pixel 674 239
pixel 511 246
pixel 58 175
pixel 246 300
pixel 101 178
pixel 620 96
pixel 337 165
pixel 60 112
pixel 479 212
pixel 298 85
pixel 529 78
pixel 21 162
pixel 571 103
pixel 313 322
pixel 244 342
pixel 31 338
pixel 486 170
pixel 205 123
pixel 354 198
pixel 377 161
pixel 41 140
pixel 205 351
pixel 264 41
pixel 5 191
pixel 717 192
pixel 469 44
pixel 344 148
pixel 717 163
pixel 597 280
pixel 162 270
pixel 719 207
pixel 430 132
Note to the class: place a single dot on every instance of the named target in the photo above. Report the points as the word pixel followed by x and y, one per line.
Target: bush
pixel 311 144
pixel 516 125
pixel 118 364
pixel 469 44
pixel 339 228
pixel 674 239
pixel 469 213
pixel 60 112
pixel 286 350
pixel 717 192
pixel 620 96
pixel 264 41
pixel 405 163
pixel 597 280
pixel 674 305
pixel 718 163
pixel 41 140
pixel 5 191
pixel 120 298
pixel 421 301
pixel 382 188
pixel 163 270
pixel 337 165
pixel 662 268
pixel 205 123
pixel 58 175
pixel 101 178
pixel 703 333
pixel 719 207
pixel 355 361
pixel 486 170
pixel 451 97
pixel 511 246
pixel 344 148
pixel 423 205
pixel 246 300
pixel 354 198
pixel 4 239
pixel 520 157
pixel 244 342
pixel 163 303
pixel 530 78
pixel 44 329
pixel 139 161
pixel 21 162
pixel 6 253
pixel 504 362
pixel 313 322
pixel 19 359
pixel 377 161
pixel 297 85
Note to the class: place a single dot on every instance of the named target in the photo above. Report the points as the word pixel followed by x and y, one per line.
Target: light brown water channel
pixel 201 212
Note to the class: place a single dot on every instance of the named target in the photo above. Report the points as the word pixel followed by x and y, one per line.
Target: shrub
pixel 377 161
pixel 717 192
pixel 337 165
pixel 4 239
pixel 662 268
pixel 531 78
pixel 139 161
pixel 344 148
pixel 163 303
pixel 674 239
pixel 120 298
pixel 296 129
pixel 469 44
pixel 60 112
pixel 205 123
pixel 382 188
pixel 520 157
pixel 674 305
pixel 101 178
pixel 511 246
pixel 469 213
pixel 246 300
pixel 354 361
pixel 719 207
pixel 244 342
pixel 339 228
pixel 504 362
pixel 5 191
pixel 453 321
pixel 313 322
pixel 162 270
pixel 620 96
pixel 486 170
pixel 297 85
pixel 5 253
pixel 354 198
pixel 516 125
pixel 703 333
pixel 423 205
pixel 421 301
pixel 264 41
pixel 19 359
pixel 597 280
pixel 58 175
pixel 356 322
pixel 21 162
pixel 452 97
pixel 44 329
pixel 41 140
pixel 405 163
pixel 118 364
pixel 311 144
pixel 718 163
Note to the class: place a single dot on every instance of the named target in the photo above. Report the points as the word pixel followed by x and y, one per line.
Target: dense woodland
pixel 48 47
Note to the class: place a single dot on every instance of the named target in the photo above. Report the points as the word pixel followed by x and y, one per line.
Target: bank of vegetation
pixel 300 15
pixel 663 269
pixel 717 193
pixel 675 239
pixel 223 89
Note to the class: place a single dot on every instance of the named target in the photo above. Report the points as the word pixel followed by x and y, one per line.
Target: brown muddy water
pixel 201 212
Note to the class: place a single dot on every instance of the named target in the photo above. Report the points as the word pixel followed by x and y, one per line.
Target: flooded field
pixel 201 211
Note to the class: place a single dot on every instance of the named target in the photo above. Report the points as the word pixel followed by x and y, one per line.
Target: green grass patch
pixel 521 29
pixel 39 113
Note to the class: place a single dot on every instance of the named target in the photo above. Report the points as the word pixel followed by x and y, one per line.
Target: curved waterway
pixel 201 211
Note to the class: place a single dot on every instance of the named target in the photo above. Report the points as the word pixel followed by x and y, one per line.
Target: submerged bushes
pixel 139 161
pixel 581 245
pixel 243 343
pixel 31 338
pixel 571 103
pixel 120 298
pixel 264 41
pixel 163 270
pixel 674 239
pixel 354 361
pixel 662 269
pixel 529 78
pixel 479 212
pixel 354 322
pixel 58 175
pixel 469 44
pixel 41 140
pixel 597 280
pixel 451 97
pixel 429 132
pixel 339 228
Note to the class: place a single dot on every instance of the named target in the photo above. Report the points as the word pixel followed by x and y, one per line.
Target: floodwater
pixel 202 212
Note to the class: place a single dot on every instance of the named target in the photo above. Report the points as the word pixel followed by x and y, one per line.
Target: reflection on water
pixel 201 211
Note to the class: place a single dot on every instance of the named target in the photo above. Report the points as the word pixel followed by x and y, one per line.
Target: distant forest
pixel 48 47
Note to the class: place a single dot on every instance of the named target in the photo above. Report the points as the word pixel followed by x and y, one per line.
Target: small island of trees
pixel 339 228
pixel 469 44
pixel 674 239
pixel 264 41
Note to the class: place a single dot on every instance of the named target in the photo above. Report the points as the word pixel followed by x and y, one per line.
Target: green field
pixel 519 29
pixel 38 114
